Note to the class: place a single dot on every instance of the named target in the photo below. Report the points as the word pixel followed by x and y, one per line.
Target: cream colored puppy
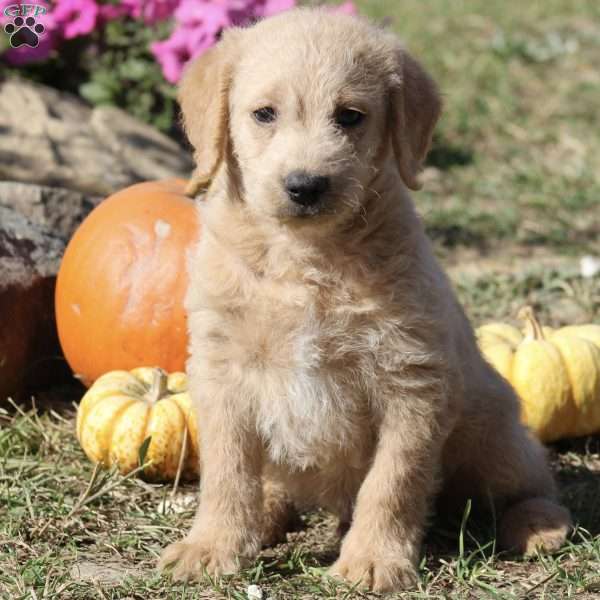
pixel 331 363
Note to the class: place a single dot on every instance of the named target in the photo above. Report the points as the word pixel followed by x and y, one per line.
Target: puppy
pixel 330 362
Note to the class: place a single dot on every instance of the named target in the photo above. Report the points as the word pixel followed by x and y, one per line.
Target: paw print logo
pixel 24 32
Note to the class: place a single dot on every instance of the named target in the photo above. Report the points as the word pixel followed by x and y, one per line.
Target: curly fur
pixel 330 362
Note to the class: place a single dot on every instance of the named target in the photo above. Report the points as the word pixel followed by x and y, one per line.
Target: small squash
pixel 556 373
pixel 124 408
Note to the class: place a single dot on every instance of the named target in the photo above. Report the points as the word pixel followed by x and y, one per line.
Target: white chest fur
pixel 311 408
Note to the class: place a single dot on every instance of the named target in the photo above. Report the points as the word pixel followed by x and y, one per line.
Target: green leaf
pixel 96 92
pixel 144 450
pixel 134 69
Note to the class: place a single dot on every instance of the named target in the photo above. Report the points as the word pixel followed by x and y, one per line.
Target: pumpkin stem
pixel 533 329
pixel 158 387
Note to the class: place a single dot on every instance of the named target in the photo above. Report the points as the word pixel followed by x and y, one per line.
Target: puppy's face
pixel 307 105
pixel 307 128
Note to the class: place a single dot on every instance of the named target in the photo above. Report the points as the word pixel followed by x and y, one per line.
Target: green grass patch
pixel 516 155
pixel 108 547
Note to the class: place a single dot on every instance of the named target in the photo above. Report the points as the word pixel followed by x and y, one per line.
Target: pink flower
pixel 150 11
pixel 75 17
pixel 110 12
pixel 199 25
pixel 272 7
pixel 213 17
pixel 347 8
pixel 183 44
pixel 171 54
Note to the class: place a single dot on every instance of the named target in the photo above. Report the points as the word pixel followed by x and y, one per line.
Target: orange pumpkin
pixel 120 287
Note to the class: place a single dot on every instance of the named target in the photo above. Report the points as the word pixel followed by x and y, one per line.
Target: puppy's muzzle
pixel 304 189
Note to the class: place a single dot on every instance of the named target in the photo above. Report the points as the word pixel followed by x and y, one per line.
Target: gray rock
pixel 54 138
pixel 26 250
pixel 35 225
pixel 55 210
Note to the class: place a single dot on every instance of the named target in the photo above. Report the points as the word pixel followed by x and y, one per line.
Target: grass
pixel 516 159
pixel 54 545
pixel 512 200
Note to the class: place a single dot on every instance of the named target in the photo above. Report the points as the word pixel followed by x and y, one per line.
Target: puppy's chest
pixel 311 381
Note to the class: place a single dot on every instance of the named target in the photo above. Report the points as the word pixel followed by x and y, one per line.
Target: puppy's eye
pixel 348 117
pixel 266 114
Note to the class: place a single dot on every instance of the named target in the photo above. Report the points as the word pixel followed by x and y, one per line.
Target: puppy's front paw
pixel 372 571
pixel 194 556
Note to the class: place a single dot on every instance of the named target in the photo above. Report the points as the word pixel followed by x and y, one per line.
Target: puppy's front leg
pixel 381 548
pixel 227 528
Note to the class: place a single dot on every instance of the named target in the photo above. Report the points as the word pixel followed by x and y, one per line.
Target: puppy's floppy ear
pixel 204 97
pixel 416 107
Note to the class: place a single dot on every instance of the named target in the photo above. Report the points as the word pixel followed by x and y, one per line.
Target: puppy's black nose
pixel 305 189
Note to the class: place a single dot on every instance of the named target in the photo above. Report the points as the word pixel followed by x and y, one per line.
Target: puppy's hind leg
pixel 534 524
pixel 514 470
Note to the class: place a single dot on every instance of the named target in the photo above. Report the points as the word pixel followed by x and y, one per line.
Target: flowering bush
pixel 198 26
pixel 126 52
